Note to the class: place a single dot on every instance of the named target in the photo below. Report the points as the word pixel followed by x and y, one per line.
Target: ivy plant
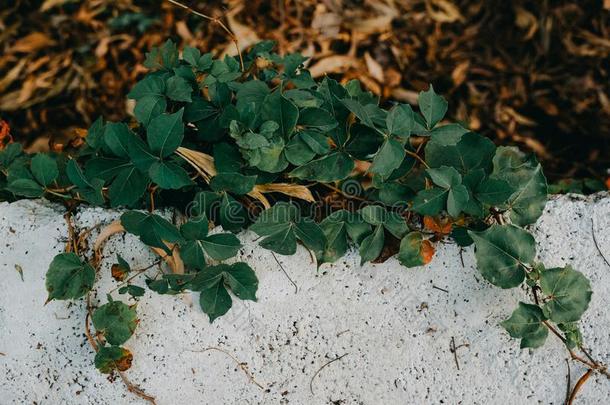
pixel 253 142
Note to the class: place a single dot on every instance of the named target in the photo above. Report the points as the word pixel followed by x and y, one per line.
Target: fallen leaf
pixel 32 43
pixel 438 225
pixel 427 251
pixel 374 68
pixel 333 64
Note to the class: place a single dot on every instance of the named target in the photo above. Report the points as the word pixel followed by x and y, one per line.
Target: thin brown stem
pixel 579 384
pixel 136 390
pixel 216 21
pixel 417 157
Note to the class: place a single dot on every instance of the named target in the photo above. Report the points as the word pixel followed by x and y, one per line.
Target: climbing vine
pixel 253 142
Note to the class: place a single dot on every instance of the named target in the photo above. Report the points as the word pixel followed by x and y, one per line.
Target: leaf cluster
pixel 210 138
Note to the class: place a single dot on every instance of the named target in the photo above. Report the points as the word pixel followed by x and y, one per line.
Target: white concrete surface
pixel 392 327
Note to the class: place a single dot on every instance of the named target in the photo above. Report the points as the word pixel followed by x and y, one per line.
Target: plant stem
pixel 216 21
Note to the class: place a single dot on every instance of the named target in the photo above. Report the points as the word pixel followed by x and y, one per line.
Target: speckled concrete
pixel 392 325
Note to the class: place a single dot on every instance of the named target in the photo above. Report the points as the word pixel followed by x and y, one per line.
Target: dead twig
pixel 453 350
pixel 581 381
pixel 296 287
pixel 215 20
pixel 321 368
pixel 136 390
pixel 569 382
pixel 440 289
pixel 243 366
pixel 596 244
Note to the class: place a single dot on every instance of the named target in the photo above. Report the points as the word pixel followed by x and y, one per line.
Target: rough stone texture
pixel 391 324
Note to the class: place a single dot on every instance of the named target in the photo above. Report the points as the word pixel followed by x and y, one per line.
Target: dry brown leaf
pixel 460 72
pixel 204 165
pixel 174 261
pixel 374 68
pixel 443 11
pixel 404 95
pixel 333 64
pixel 438 225
pixel 245 35
pixel 49 4
pixel 427 251
pixel 292 190
pixel 32 43
pixel 380 23
pixel 526 21
pixel 12 74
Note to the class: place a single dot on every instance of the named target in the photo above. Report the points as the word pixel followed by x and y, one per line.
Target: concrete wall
pixel 392 325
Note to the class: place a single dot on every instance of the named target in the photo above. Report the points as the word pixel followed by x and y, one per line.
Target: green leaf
pixel 367 114
pixel 388 158
pixel 400 121
pixel 116 321
pixel 133 290
pixel 68 277
pixel 26 188
pixel 242 280
pixel 193 254
pixel 233 182
pixel 281 225
pixel 493 191
pixel 396 225
pixel 447 135
pixel 317 118
pixel 44 169
pixel 371 246
pixel 178 89
pixel 127 188
pixel 373 214
pixel 211 281
pixel 279 109
pixel 502 252
pixel 110 358
pixel 472 152
pixel 311 235
pixel 571 333
pixel 148 108
pixel 433 107
pixel 194 58
pixel 410 253
pixel 165 133
pixel 152 229
pixel 457 200
pixel 215 301
pixel 221 246
pixel 333 167
pixel 445 177
pixel 116 136
pixel 525 176
pixel 169 175
pixel 196 228
pixel 337 227
pixel 526 323
pixel 568 294
pixel 430 202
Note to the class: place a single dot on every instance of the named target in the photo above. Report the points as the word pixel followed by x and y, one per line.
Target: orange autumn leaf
pixel 5 134
pixel 608 183
pixel 438 225
pixel 427 251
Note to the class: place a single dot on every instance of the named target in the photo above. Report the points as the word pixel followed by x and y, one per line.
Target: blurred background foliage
pixel 530 73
